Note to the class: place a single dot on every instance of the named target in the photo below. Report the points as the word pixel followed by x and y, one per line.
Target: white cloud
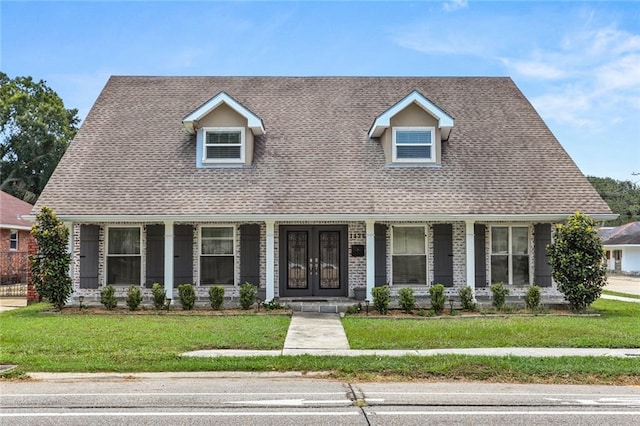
pixel 535 69
pixel 453 5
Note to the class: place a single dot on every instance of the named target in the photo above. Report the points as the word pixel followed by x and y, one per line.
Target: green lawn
pixel 617 327
pixel 617 293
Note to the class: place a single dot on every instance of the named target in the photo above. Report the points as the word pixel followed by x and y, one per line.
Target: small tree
pixel 216 297
pixel 187 296
pixel 157 295
pixel 466 298
pixel 381 299
pixel 247 295
pixel 134 297
pixel 108 297
pixel 436 293
pixel 500 293
pixel 407 299
pixel 532 298
pixel 577 262
pixel 50 265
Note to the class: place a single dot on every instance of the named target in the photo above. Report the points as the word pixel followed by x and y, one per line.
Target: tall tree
pixel 623 197
pixel 35 130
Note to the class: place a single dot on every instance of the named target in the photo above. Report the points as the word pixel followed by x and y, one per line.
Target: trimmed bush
pixel 407 299
pixel 187 296
pixel 532 298
pixel 157 295
pixel 500 293
pixel 216 297
pixel 436 292
pixel 466 298
pixel 381 299
pixel 108 297
pixel 247 295
pixel 134 297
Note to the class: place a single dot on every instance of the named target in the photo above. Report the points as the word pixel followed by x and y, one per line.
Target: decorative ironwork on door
pixel 329 263
pixel 297 259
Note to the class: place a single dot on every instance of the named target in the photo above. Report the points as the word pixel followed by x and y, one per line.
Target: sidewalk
pixel 323 335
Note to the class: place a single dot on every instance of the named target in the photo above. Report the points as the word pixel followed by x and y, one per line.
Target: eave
pixel 190 122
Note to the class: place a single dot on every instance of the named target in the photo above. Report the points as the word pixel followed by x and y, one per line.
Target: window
pixel 224 145
pixel 409 259
pixel 217 260
pixel 510 255
pixel 413 144
pixel 123 256
pixel 13 240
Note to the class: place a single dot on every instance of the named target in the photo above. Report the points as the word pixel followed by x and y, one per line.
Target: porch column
pixel 471 257
pixel 270 261
pixel 168 259
pixel 371 258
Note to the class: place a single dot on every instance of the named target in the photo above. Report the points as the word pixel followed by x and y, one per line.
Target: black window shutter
pixel 89 247
pixel 542 269
pixel 155 255
pixel 443 254
pixel 480 248
pixel 381 254
pixel 250 254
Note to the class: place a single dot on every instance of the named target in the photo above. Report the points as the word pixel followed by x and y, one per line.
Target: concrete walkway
pixel 323 335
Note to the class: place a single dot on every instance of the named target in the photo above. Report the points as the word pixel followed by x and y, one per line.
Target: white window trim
pixel 510 251
pixel 206 130
pixel 426 251
pixel 107 255
pixel 13 232
pixel 235 257
pixel 432 159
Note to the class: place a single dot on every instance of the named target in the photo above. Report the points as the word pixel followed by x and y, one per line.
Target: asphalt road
pixel 202 398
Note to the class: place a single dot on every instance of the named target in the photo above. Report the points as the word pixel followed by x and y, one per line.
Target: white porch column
pixel 270 261
pixel 471 257
pixel 168 259
pixel 371 258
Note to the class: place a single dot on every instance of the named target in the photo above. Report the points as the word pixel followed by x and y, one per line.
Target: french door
pixel 313 261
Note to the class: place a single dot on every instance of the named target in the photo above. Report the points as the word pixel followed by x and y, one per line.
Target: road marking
pixel 609 401
pixel 501 413
pixel 24 395
pixel 186 413
pixel 492 393
pixel 293 402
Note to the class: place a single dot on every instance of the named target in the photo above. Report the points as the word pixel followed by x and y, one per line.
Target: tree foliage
pixel 50 265
pixel 623 197
pixel 35 130
pixel 576 257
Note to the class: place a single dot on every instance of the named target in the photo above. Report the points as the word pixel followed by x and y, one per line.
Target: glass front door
pixel 313 261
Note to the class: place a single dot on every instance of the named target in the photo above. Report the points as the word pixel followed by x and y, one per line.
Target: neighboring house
pixel 15 235
pixel 315 187
pixel 622 245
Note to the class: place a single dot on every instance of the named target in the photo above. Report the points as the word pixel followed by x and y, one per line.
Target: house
pixel 622 246
pixel 15 235
pixel 314 187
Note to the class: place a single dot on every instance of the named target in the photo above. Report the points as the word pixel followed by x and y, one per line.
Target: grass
pixel 616 327
pixel 41 341
pixel 617 293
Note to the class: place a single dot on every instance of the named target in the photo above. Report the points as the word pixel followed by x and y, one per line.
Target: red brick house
pixel 15 235
pixel 314 187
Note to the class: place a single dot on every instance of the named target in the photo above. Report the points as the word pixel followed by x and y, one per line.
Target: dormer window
pixel 413 144
pixel 224 145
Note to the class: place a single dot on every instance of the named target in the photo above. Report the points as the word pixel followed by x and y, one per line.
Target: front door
pixel 313 261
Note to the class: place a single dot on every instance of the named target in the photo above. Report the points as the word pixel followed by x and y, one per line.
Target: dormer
pixel 412 131
pixel 225 131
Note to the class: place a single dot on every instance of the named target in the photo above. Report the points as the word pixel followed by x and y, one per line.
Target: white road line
pixel 496 393
pixel 186 413
pixel 293 402
pixel 24 395
pixel 502 413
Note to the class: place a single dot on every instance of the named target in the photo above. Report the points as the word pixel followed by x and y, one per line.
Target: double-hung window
pixel 510 255
pixel 409 259
pixel 13 240
pixel 123 256
pixel 217 256
pixel 224 145
pixel 414 144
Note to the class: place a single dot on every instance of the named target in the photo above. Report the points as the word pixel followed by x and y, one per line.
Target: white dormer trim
pixel 190 122
pixel 383 121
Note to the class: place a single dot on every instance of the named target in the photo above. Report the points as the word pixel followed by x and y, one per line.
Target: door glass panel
pixel 329 262
pixel 297 247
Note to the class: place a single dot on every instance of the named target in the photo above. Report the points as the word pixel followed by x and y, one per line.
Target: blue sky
pixel 577 62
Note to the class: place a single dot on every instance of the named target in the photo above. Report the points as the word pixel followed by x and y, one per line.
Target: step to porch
pixel 324 305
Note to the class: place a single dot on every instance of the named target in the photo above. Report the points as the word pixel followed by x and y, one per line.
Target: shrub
pixel 466 298
pixel 50 265
pixel 354 309
pixel 134 297
pixel 500 293
pixel 381 299
pixel 532 298
pixel 407 299
pixel 273 305
pixel 108 297
pixel 216 297
pixel 436 292
pixel 187 296
pixel 577 261
pixel 157 295
pixel 247 295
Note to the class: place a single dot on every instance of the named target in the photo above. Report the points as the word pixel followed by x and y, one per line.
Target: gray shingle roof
pixel 133 156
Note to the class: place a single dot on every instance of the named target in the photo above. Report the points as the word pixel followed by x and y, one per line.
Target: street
pixel 294 398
